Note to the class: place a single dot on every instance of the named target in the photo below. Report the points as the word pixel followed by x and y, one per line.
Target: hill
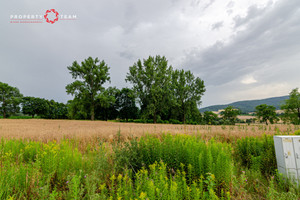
pixel 248 105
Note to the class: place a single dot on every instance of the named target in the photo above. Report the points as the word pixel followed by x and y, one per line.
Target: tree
pixel 77 109
pixel 34 106
pixel 125 102
pixel 266 113
pixel 210 118
pixel 230 114
pixel 187 91
pixel 90 75
pixel 106 107
pixel 151 81
pixel 292 107
pixel 10 98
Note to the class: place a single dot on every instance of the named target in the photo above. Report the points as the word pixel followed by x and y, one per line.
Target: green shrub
pixel 297 132
pixel 179 152
pixel 256 152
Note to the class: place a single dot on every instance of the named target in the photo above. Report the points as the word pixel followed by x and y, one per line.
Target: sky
pixel 242 49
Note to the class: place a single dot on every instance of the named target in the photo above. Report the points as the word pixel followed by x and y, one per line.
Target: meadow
pixel 66 159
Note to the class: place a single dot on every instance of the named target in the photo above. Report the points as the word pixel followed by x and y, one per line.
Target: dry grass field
pixel 47 130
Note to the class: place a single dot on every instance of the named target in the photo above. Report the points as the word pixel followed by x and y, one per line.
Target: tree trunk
pixel 183 110
pixel 154 118
pixel 3 105
pixel 92 108
pixel 299 113
pixel 93 112
pixel 32 115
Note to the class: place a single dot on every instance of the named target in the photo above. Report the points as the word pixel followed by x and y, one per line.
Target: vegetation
pixel 248 105
pixel 266 113
pixel 188 91
pixel 34 106
pixel 152 167
pixel 292 107
pixel 164 96
pixel 210 118
pixel 90 75
pixel 151 81
pixel 126 105
pixel 230 115
pixel 10 98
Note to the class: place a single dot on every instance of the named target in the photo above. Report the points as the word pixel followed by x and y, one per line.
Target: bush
pixel 179 152
pixel 174 121
pixel 256 152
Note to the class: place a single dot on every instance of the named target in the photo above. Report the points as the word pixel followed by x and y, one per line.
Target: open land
pixel 67 159
pixel 47 130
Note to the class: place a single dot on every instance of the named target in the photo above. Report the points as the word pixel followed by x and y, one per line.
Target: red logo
pixel 51 11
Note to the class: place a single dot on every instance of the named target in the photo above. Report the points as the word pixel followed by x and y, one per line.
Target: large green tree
pixel 188 91
pixel 125 102
pixel 55 110
pixel 230 114
pixel 10 98
pixel 151 79
pixel 34 106
pixel 89 79
pixel 210 118
pixel 292 107
pixel 106 107
pixel 266 113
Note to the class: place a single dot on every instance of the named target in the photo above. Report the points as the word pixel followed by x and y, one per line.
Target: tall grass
pixel 151 167
pixel 188 153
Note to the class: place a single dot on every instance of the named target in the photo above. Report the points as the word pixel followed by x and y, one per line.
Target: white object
pixel 287 149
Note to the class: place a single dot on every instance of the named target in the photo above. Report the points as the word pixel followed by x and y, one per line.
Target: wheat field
pixel 47 130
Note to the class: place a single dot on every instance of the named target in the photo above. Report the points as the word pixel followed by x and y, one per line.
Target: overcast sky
pixel 241 49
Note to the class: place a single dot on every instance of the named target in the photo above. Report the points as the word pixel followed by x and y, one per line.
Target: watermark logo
pixel 51 16
pixel 49 12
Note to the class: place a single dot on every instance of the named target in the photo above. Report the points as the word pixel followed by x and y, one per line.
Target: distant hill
pixel 249 105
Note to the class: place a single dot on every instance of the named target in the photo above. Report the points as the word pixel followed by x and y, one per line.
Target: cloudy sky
pixel 241 49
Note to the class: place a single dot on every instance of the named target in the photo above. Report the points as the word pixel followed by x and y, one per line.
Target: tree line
pixel 159 94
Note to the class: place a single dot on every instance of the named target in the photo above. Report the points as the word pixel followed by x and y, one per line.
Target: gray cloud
pixel 268 48
pixel 253 13
pixel 217 25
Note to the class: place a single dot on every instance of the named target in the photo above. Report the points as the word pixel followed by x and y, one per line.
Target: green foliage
pixel 10 98
pixel 107 108
pixel 125 103
pixel 188 91
pixel 168 167
pixel 230 115
pixel 34 106
pixel 297 132
pixel 88 86
pixel 179 152
pixel 210 118
pixel 248 105
pixel 55 110
pixel 164 93
pixel 292 107
pixel 151 81
pixel 44 108
pixel 266 113
pixel 258 153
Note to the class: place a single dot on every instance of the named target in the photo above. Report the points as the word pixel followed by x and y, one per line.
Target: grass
pixel 86 131
pixel 62 159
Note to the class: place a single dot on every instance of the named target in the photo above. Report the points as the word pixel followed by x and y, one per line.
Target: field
pixel 65 159
pixel 47 130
